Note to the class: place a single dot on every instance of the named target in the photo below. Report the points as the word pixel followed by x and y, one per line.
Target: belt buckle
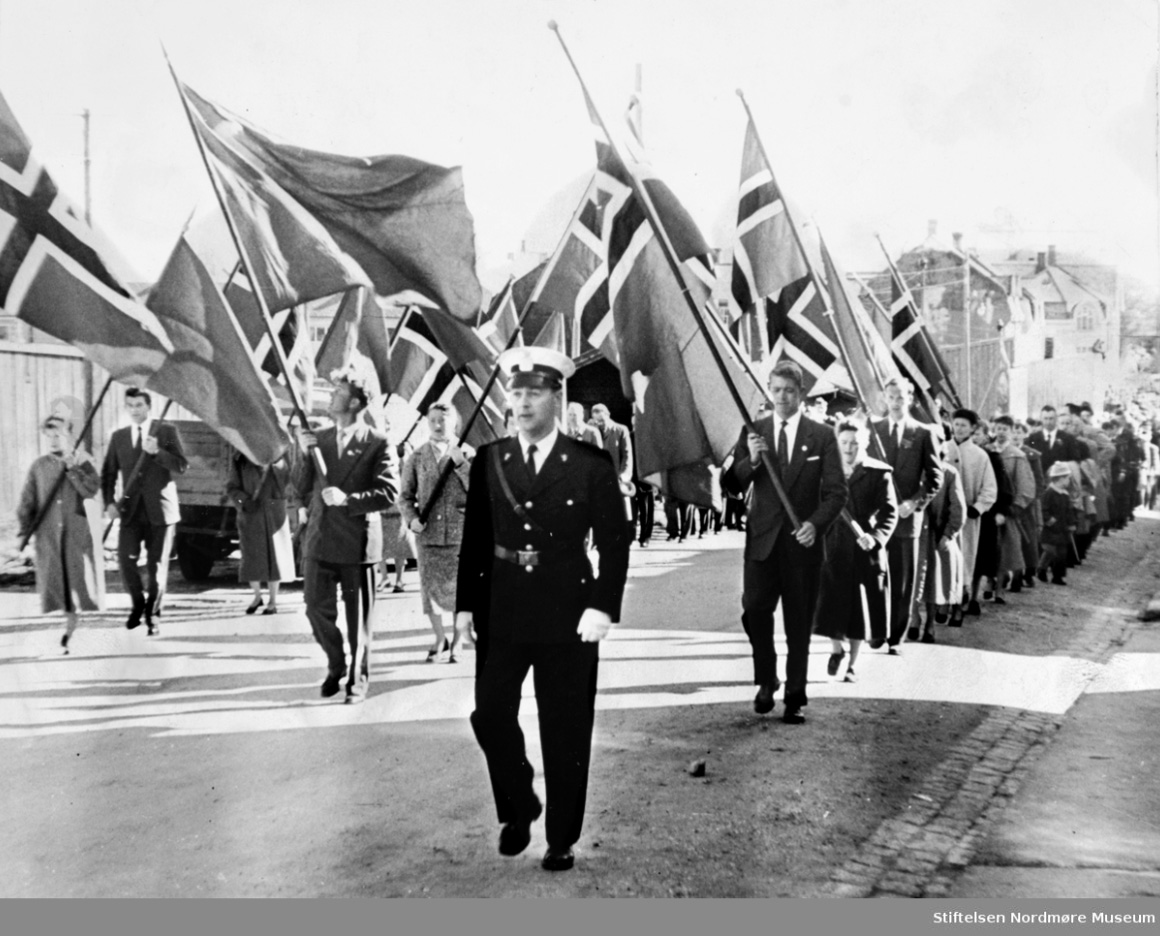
pixel 528 557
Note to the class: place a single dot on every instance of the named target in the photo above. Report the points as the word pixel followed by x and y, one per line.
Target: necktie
pixel 782 450
pixel 531 460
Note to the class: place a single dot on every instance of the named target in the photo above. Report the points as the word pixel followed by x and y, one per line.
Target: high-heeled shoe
pixel 64 643
pixel 254 605
pixel 433 655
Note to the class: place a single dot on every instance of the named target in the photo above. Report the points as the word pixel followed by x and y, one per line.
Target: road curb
pixel 937 832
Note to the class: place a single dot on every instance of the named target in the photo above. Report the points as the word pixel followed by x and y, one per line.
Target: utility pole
pixel 87 367
pixel 967 323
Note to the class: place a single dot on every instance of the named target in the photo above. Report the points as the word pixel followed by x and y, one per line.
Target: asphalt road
pixel 202 762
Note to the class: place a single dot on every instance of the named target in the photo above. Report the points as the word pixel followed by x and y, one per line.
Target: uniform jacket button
pixel 529 568
pixel 528 505
pixel 527 526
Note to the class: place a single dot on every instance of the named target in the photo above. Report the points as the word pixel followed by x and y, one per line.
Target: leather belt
pixel 536 557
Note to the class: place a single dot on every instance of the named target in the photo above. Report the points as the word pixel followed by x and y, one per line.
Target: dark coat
pixel 814 484
pixel 917 472
pixel 263 525
pixel 351 534
pixel 1058 519
pixel 64 541
pixel 153 487
pixel 575 491
pixel 849 569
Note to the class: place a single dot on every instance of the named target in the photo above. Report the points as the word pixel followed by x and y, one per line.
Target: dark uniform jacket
pixel 351 534
pixel 153 487
pixel 814 484
pixel 917 472
pixel 574 491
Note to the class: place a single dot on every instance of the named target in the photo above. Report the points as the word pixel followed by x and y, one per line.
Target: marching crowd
pixel 863 530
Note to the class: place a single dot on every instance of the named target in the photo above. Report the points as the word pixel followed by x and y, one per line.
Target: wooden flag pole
pixel 244 258
pixel 674 266
pixel 47 505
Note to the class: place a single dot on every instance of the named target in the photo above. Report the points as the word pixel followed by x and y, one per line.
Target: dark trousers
pixel 319 590
pixel 158 541
pixel 902 555
pixel 564 676
pixel 734 513
pixel 789 575
pixel 645 510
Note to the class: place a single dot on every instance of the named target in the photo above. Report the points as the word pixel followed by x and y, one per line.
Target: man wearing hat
pixel 527 593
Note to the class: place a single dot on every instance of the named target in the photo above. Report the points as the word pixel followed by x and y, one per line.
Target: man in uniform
pixel 145 455
pixel 344 532
pixel 782 564
pixel 527 594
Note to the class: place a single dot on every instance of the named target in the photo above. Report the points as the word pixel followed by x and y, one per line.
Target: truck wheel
pixel 195 565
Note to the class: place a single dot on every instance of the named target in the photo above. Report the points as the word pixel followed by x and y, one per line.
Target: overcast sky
pixel 1023 122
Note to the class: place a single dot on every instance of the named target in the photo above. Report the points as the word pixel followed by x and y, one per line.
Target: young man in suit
pixel 1051 442
pixel 909 449
pixel 527 594
pixel 782 564
pixel 145 455
pixel 344 532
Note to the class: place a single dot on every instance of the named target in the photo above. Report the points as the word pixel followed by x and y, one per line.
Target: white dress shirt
pixel 543 448
pixel 791 428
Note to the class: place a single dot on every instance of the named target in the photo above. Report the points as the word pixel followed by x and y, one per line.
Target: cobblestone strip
pixel 938 831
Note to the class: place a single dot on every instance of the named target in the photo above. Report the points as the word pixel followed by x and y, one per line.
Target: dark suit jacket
pixel 1066 448
pixel 575 491
pixel 153 487
pixel 814 484
pixel 351 534
pixel 916 469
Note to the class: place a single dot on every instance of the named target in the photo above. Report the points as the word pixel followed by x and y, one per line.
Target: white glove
pixel 594 625
pixel 465 624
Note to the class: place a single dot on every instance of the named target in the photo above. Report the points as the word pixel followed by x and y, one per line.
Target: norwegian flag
pixel 435 358
pixel 575 280
pixel 294 335
pixel 772 278
pixel 915 353
pixel 57 275
pixel 501 320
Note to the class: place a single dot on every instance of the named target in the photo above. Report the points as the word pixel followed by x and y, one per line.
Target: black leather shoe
pixel 973 608
pixel 515 836
pixel 956 618
pixel 912 633
pixel 151 629
pixel 876 642
pixel 763 701
pixel 1041 574
pixel 893 650
pixel 134 620
pixel 1000 600
pixel 330 686
pixel 834 662
pixel 793 716
pixel 558 859
pixel 928 637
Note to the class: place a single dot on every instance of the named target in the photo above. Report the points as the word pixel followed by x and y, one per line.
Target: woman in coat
pixel 942 586
pixel 855 574
pixel 437 539
pixel 66 571
pixel 263 526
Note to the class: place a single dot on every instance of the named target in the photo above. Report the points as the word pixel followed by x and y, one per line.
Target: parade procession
pixel 342 560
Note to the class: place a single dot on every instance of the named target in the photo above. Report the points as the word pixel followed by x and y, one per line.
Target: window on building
pixel 1048 349
pixel 1055 310
pixel 1085 319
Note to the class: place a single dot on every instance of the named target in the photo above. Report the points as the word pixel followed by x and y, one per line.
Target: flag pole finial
pixel 552 26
